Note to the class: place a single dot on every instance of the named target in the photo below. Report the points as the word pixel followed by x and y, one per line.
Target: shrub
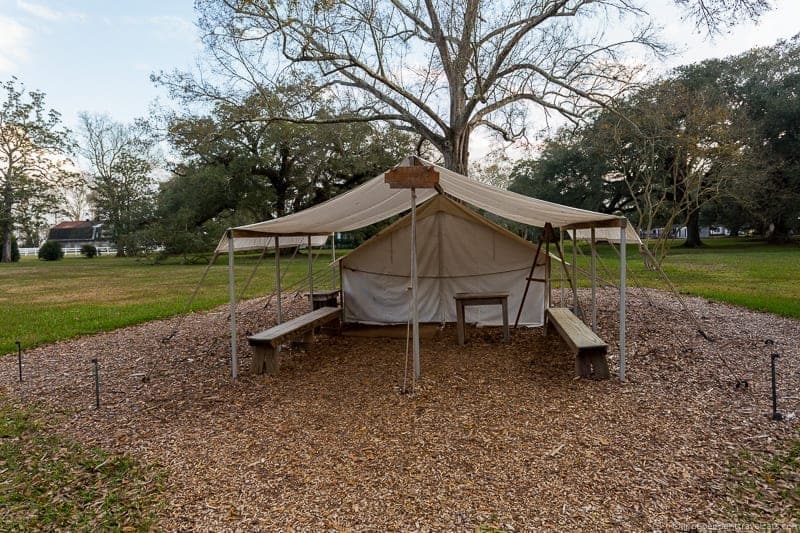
pixel 89 251
pixel 51 251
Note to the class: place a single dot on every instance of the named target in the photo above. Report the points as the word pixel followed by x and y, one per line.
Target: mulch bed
pixel 495 435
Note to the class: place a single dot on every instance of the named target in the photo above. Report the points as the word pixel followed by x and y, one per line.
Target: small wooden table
pixel 465 299
pixel 324 299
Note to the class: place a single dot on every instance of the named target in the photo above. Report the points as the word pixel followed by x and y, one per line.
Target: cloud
pixel 46 13
pixel 14 41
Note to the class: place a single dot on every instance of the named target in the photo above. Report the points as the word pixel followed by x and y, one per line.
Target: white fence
pixel 102 250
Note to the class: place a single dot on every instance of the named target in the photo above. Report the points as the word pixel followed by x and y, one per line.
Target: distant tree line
pixel 715 143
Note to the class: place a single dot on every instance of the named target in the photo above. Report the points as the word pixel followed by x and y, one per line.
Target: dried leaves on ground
pixel 494 436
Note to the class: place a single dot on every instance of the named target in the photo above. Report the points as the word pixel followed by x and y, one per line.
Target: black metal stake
pixel 96 384
pixel 775 414
pixel 19 359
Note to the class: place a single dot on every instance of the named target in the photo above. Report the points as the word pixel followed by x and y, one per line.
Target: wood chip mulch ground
pixel 495 435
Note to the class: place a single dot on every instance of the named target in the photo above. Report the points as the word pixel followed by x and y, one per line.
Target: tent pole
pixel 310 275
pixel 278 317
pixel 548 277
pixel 594 282
pixel 561 270
pixel 333 259
pixel 575 271
pixel 622 273
pixel 232 297
pixel 414 311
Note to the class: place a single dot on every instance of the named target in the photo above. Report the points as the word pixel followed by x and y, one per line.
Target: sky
pixel 97 55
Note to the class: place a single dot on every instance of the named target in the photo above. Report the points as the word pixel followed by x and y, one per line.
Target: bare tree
pixel 438 68
pixel 122 158
pixel 76 198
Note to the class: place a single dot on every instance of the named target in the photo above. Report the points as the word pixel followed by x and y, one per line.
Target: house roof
pixel 73 230
pixel 74 224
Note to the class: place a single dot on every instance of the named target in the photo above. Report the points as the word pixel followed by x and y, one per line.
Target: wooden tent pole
pixel 547 235
pixel 414 281
pixel 623 270
pixel 278 316
pixel 528 282
pixel 594 282
pixel 232 297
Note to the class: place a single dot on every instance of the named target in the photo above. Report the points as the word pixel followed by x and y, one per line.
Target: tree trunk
pixel 456 152
pixel 6 240
pixel 5 226
pixel 778 232
pixel 693 230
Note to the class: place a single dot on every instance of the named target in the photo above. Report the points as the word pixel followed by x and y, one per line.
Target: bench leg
pixel 591 364
pixel 266 360
pixel 308 338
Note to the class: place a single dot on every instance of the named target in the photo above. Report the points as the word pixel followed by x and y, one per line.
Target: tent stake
pixel 622 281
pixel 232 296
pixel 19 359
pixel 414 311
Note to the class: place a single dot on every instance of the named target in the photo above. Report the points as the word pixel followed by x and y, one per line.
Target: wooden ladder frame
pixel 548 236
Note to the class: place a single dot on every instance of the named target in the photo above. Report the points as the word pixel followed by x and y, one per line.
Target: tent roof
pixel 374 201
pixel 242 244
pixel 441 203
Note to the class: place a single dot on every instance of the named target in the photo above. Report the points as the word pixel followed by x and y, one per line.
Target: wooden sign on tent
pixel 413 177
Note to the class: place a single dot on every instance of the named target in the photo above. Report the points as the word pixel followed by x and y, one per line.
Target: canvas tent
pixel 442 261
pixel 459 251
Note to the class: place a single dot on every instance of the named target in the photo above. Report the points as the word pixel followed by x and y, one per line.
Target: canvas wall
pixel 458 251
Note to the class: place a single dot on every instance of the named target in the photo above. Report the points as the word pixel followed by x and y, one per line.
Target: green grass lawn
pixel 53 484
pixel 44 301
pixel 739 271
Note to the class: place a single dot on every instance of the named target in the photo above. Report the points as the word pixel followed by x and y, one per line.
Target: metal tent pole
pixel 575 271
pixel 278 317
pixel 562 303
pixel 310 275
pixel 232 297
pixel 622 275
pixel 414 306
pixel 333 259
pixel 594 282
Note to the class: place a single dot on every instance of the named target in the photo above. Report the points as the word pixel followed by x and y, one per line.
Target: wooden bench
pixel 267 344
pixel 590 350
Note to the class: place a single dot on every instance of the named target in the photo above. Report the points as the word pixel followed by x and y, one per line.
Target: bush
pixel 89 251
pixel 51 251
pixel 14 249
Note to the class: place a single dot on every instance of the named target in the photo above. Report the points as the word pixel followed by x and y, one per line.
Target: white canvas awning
pixel 375 201
pixel 242 244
